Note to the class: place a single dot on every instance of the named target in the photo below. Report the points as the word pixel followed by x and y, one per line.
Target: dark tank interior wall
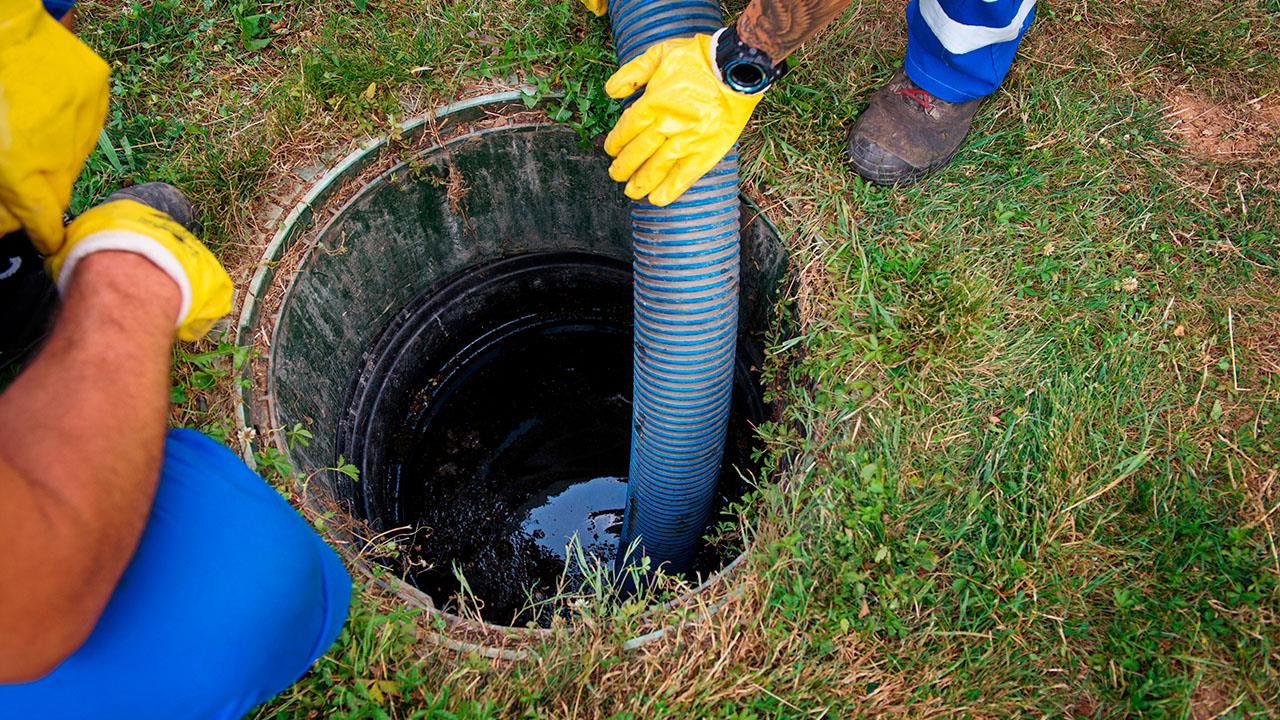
pixel 478 199
pixel 481 197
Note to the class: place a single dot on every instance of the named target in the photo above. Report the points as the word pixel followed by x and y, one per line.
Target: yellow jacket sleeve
pixel 53 100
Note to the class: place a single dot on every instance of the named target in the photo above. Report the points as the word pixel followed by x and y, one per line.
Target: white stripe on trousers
pixel 959 38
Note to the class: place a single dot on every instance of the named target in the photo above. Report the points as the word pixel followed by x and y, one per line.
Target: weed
pixel 273 464
pixel 199 379
pixel 254 23
pixel 298 436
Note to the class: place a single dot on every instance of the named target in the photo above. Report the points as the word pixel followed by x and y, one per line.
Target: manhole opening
pixel 410 313
pixel 491 424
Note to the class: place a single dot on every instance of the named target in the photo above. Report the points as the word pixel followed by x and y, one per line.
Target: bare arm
pixel 778 27
pixel 81 440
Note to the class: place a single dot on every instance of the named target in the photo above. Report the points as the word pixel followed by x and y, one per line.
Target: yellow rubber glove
pixel 53 99
pixel 597 7
pixel 685 122
pixel 130 226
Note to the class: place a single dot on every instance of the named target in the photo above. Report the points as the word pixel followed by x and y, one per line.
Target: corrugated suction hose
pixel 686 322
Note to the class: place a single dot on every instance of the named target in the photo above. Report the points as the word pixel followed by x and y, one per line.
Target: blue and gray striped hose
pixel 686 323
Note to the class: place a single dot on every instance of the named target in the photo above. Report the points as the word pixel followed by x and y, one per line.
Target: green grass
pixel 1028 461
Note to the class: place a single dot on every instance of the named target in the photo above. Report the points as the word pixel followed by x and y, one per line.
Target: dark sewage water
pixel 519 449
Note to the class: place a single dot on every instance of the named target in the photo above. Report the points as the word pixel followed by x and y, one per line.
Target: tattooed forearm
pixel 778 27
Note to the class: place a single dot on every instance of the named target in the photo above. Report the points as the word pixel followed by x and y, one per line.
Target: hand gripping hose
pixel 686 323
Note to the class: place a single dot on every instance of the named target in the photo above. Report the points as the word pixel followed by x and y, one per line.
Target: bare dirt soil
pixel 1215 131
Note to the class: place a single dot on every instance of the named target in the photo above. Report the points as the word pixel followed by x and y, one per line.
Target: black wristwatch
pixel 742 67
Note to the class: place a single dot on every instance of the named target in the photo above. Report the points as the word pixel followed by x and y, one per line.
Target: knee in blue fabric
pixel 961 50
pixel 228 599
pixel 58 8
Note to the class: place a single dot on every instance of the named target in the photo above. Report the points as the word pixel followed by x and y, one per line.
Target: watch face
pixel 745 76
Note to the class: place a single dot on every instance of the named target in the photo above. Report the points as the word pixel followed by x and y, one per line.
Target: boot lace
pixel 919 97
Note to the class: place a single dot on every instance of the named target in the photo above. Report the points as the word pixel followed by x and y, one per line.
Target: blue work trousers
pixel 228 599
pixel 960 50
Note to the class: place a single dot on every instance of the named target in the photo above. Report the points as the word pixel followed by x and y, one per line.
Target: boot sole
pixel 885 175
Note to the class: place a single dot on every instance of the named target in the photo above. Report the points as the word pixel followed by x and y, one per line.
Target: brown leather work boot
pixel 905 132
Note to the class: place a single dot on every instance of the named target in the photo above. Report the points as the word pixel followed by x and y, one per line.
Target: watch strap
pixel 729 52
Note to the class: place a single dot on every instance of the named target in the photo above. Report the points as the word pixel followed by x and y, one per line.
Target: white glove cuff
pixel 137 243
pixel 711 53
